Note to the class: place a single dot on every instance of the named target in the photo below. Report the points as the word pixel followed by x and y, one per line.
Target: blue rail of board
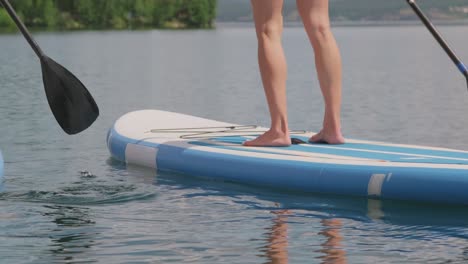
pixel 447 183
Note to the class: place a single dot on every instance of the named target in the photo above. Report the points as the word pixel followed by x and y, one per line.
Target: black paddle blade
pixel 72 105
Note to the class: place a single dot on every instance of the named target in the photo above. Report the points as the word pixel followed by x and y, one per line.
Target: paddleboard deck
pixel 196 146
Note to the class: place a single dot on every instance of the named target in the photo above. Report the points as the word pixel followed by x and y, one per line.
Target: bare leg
pixel 314 14
pixel 269 27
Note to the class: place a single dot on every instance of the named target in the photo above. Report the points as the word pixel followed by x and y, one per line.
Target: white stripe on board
pixel 379 143
pixel 411 156
pixel 375 185
pixel 387 144
pixel 287 152
pixel 246 154
pixel 141 155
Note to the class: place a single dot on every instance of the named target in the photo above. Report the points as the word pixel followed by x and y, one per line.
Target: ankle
pixel 332 127
pixel 279 132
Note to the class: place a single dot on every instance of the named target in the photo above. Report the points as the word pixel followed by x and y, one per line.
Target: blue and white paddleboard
pixel 196 146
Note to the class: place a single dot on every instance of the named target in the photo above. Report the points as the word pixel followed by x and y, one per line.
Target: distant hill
pixel 356 10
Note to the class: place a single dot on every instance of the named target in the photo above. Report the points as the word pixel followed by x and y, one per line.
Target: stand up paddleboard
pixel 196 146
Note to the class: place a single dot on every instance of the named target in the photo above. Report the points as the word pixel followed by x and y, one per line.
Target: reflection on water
pixel 74 234
pixel 277 247
pixel 332 247
pixel 350 223
pixel 299 227
pixel 64 200
pixel 69 216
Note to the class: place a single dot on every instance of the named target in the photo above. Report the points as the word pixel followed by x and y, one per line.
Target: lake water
pixel 64 200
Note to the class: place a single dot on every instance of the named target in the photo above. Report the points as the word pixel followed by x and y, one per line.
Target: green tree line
pixel 115 14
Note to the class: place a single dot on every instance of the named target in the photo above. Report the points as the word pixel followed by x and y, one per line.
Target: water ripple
pixel 85 193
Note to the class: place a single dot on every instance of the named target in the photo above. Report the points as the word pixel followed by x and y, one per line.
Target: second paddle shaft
pixel 23 29
pixel 438 37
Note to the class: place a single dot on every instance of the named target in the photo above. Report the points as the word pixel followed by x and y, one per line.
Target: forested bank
pixel 112 14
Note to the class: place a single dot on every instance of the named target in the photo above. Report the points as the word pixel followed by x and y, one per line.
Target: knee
pixel 318 31
pixel 270 31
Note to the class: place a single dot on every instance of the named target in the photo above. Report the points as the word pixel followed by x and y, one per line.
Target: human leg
pixel 272 63
pixel 314 14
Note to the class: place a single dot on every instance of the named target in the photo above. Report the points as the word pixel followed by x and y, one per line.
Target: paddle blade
pixel 72 105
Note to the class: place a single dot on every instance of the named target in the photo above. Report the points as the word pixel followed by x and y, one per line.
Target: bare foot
pixel 328 138
pixel 270 139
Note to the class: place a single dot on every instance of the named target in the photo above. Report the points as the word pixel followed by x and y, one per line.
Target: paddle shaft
pixel 438 37
pixel 22 28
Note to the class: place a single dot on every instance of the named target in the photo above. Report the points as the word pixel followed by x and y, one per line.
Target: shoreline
pixel 366 23
pixel 247 24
